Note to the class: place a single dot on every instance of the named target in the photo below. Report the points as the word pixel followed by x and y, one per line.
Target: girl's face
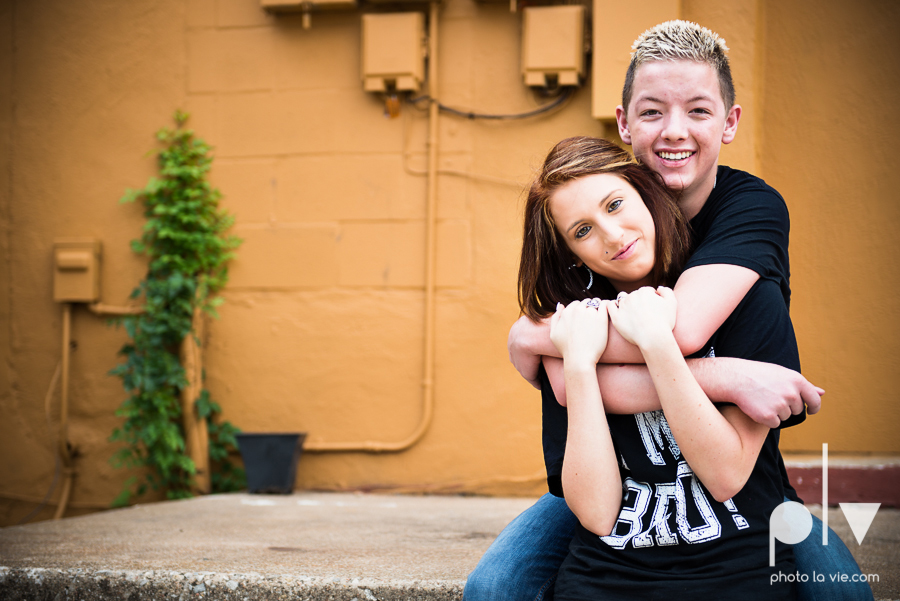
pixel 606 224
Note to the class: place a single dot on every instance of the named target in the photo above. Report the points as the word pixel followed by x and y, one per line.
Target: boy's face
pixel 676 123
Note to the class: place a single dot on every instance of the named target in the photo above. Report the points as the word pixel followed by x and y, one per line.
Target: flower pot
pixel 270 460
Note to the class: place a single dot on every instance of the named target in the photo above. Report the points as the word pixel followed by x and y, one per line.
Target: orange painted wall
pixel 827 138
pixel 322 328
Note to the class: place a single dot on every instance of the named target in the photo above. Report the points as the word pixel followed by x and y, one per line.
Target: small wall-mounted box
pixel 393 51
pixel 76 270
pixel 553 45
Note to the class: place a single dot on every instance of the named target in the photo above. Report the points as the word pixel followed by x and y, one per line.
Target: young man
pixel 678 108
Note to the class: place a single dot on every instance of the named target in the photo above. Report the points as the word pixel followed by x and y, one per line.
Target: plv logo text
pixel 791 522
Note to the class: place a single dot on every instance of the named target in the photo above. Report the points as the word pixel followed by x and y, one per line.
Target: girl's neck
pixel 631 286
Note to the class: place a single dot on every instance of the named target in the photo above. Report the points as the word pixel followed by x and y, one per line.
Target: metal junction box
pixel 553 45
pixel 76 270
pixel 393 51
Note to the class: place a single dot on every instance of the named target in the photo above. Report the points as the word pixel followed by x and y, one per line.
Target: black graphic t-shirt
pixel 673 540
pixel 744 222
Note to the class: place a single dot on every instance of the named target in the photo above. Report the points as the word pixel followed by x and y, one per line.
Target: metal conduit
pixel 65 455
pixel 430 270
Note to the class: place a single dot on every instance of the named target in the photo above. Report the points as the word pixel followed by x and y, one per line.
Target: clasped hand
pixel 644 316
pixel 580 330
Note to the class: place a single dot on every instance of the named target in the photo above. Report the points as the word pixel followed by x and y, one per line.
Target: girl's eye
pixel 614 205
pixel 582 232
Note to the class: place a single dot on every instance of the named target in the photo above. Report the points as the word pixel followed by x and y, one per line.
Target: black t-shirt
pixel 743 222
pixel 673 540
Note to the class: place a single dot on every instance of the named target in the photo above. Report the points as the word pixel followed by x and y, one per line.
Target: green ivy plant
pixel 188 251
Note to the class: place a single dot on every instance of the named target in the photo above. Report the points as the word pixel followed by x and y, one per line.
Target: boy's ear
pixel 731 124
pixel 622 122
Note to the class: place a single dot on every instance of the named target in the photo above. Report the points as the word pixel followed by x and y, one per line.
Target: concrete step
pixel 86 585
pixel 241 546
pixel 314 546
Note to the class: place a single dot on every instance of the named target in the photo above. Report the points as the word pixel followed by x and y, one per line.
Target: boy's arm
pixel 707 295
pixel 766 392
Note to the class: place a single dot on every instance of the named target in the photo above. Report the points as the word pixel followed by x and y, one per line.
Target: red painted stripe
pixel 849 484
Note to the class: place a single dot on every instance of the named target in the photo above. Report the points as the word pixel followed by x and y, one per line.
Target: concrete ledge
pixel 315 546
pixel 38 583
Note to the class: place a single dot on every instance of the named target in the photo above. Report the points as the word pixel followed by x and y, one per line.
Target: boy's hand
pixel 770 394
pixel 580 332
pixel 525 337
pixel 645 316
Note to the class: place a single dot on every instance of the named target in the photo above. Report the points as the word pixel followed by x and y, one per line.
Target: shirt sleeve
pixel 749 228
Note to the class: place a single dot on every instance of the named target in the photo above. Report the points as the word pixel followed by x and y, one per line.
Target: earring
pixel 590 274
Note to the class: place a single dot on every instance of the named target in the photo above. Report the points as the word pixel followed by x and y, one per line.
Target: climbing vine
pixel 188 249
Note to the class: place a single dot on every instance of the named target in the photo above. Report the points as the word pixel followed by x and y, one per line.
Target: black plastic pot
pixel 270 460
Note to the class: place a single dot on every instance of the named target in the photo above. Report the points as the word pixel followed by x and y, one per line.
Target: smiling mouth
pixel 674 156
pixel 623 251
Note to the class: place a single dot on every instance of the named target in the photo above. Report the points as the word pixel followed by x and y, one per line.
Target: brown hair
pixel 681 40
pixel 546 272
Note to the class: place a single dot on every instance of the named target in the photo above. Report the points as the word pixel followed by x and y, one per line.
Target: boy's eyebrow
pixel 654 99
pixel 602 200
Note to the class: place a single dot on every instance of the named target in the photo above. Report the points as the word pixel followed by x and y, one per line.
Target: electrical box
pixel 393 51
pixel 553 45
pixel 76 270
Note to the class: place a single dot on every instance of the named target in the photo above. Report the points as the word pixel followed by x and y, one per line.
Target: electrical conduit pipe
pixel 430 271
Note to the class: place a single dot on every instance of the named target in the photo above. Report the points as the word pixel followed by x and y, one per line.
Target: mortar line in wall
pixel 278 90
pixel 317 153
pixel 240 27
pixel 299 225
pixel 8 214
pixel 759 74
pixel 338 288
pixel 185 54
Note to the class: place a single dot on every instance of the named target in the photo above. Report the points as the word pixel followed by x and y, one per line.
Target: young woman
pixel 673 502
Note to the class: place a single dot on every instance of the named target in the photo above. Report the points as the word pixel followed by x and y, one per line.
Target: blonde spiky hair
pixel 681 40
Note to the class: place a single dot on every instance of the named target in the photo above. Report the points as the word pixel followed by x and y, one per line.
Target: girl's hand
pixel 645 316
pixel 580 331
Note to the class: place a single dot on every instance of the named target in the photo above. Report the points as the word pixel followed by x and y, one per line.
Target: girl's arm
pixel 708 294
pixel 721 447
pixel 590 474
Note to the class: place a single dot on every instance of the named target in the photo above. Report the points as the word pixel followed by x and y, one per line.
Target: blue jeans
pixel 522 563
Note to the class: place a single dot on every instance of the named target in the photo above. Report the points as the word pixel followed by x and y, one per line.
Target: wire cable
pixel 58 468
pixel 566 94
